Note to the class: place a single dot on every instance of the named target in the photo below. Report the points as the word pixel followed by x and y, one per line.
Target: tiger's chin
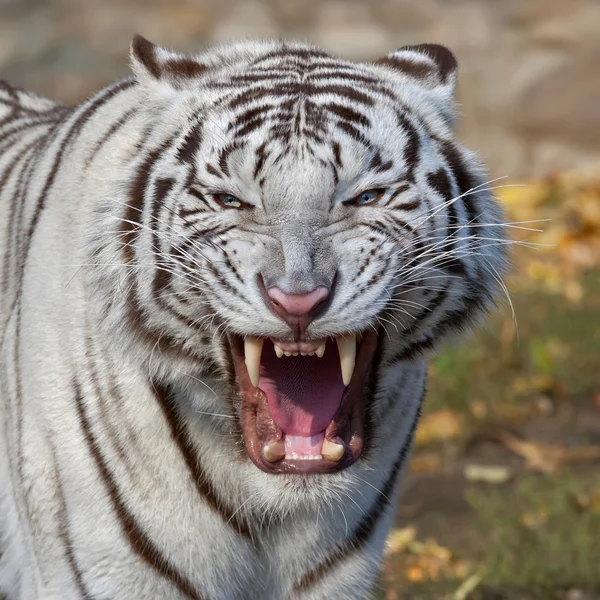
pixel 302 405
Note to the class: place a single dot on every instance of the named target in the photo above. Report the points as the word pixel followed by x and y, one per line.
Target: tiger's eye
pixel 367 197
pixel 228 201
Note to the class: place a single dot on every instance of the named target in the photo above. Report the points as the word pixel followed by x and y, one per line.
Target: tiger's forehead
pixel 303 91
pixel 320 108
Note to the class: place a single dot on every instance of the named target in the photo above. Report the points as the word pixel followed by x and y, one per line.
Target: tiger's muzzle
pixel 302 404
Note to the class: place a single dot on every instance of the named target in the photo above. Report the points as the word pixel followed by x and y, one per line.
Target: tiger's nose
pixel 298 310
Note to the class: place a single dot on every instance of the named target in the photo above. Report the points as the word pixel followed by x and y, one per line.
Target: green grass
pixel 539 535
pixel 558 354
pixel 543 538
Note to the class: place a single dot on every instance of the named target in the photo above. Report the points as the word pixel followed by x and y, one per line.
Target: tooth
pixel 347 349
pixel 311 354
pixel 302 353
pixel 252 351
pixel 288 353
pixel 320 351
pixel 295 353
pixel 331 450
pixel 278 351
pixel 274 451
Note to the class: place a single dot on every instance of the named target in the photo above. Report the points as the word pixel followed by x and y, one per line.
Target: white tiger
pixel 220 278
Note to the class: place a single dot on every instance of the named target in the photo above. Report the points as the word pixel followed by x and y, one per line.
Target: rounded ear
pixel 151 64
pixel 431 65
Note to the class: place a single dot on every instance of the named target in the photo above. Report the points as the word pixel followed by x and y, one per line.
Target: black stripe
pixel 64 532
pixel 161 275
pixel 201 480
pixel 344 112
pixel 294 89
pixel 464 179
pixel 75 128
pixel 191 143
pixel 366 526
pixel 411 148
pixel 114 128
pixel 163 341
pixel 140 543
pixel 440 182
pixel 11 239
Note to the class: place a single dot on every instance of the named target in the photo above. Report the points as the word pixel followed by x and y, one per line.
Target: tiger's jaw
pixel 300 417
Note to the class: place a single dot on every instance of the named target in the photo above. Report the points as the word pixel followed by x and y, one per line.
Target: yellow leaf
pixel 415 573
pixel 399 539
pixel 438 426
pixel 494 474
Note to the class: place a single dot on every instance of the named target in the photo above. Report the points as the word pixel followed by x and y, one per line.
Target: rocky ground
pixel 529 82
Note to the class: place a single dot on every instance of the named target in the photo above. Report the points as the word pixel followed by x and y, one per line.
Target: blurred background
pixel 502 498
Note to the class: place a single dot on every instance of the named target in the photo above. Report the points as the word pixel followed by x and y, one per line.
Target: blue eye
pixel 368 197
pixel 229 201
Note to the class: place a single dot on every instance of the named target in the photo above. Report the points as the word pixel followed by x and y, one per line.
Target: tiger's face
pixel 309 224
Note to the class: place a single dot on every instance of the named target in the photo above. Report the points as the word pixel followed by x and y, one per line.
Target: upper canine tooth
pixel 252 351
pixel 347 350
pixel 278 351
pixel 332 450
pixel 320 351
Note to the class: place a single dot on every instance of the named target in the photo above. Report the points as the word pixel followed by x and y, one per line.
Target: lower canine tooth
pixel 274 451
pixel 252 353
pixel 332 451
pixel 347 350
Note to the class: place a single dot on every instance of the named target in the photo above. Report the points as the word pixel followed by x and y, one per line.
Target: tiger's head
pixel 294 226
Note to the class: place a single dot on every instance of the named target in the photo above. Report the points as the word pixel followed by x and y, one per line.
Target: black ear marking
pixel 442 57
pixel 144 52
pixel 150 61
pixel 432 64
pixel 183 67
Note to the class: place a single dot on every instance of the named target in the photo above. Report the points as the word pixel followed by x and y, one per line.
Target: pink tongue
pixel 304 392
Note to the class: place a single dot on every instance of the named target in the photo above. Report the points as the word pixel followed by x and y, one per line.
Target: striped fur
pixel 122 469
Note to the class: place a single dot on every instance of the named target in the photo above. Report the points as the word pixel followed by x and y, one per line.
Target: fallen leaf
pixel 493 474
pixel 425 462
pixel 441 425
pixel 398 540
pixel 534 520
pixel 415 573
pixel 479 409
pixel 545 458
pixel 467 586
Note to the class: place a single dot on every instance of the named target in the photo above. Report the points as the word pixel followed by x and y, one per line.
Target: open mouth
pixel 303 403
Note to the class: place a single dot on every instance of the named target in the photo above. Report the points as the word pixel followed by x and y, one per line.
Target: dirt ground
pixel 502 497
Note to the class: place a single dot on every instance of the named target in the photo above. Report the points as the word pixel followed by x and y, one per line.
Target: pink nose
pixel 297 304
pixel 298 310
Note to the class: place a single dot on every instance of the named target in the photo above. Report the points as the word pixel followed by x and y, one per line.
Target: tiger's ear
pixel 432 66
pixel 151 64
